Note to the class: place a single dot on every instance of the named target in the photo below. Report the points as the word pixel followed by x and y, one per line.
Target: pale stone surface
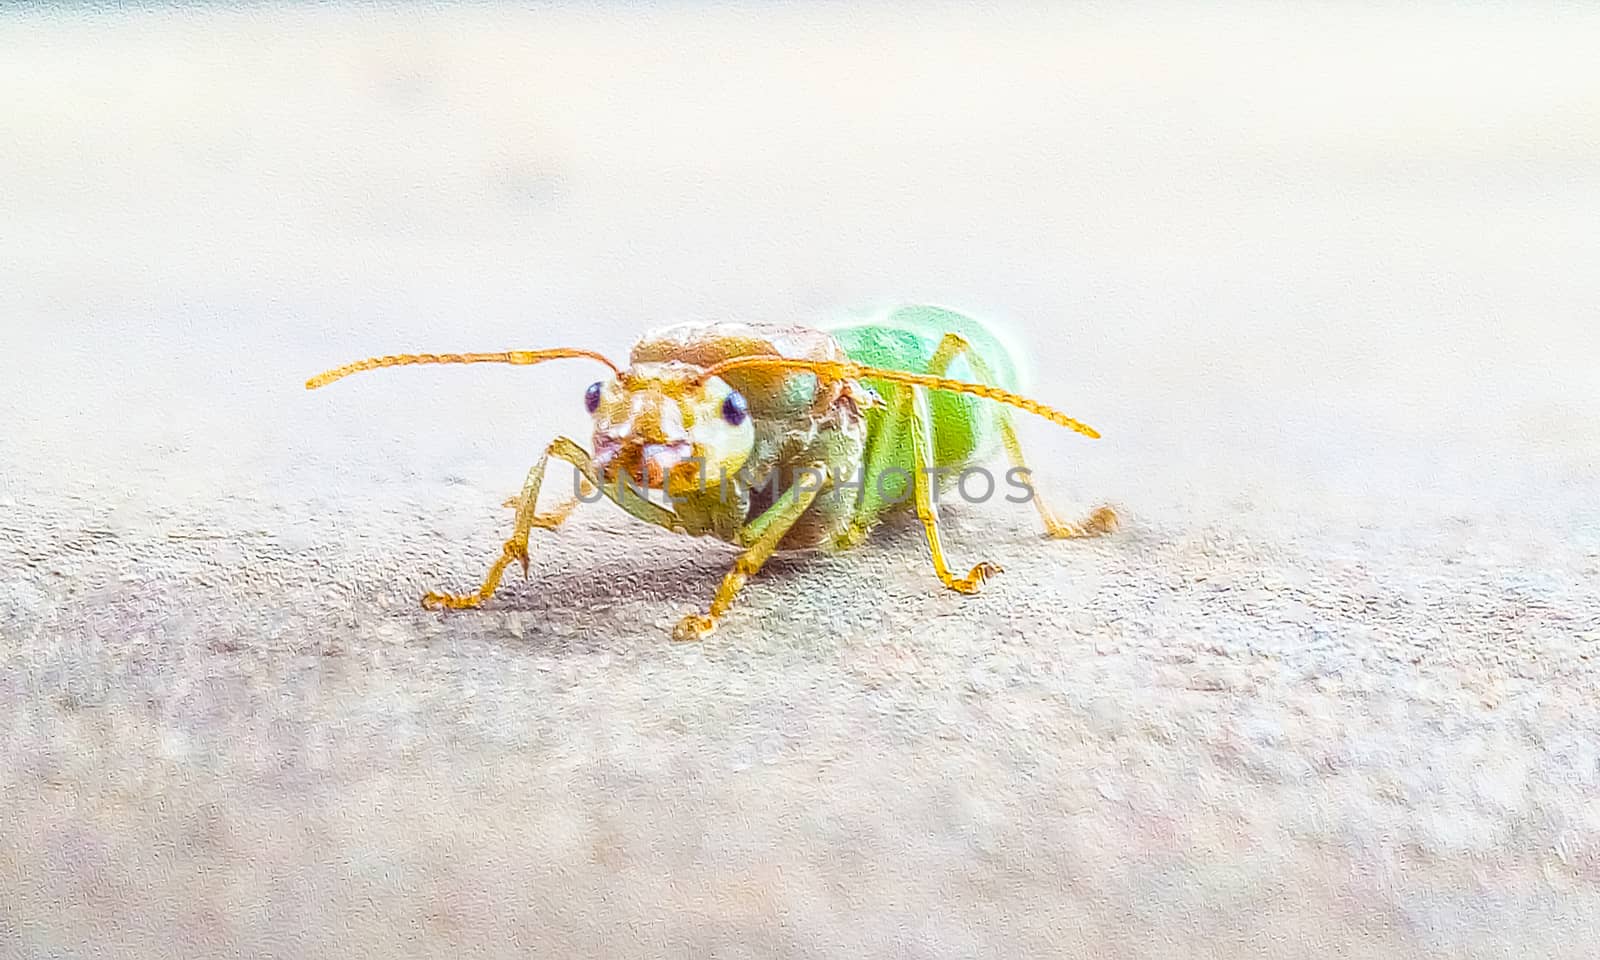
pixel 1325 280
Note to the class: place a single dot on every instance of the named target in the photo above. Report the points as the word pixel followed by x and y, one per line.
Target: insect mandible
pixel 780 438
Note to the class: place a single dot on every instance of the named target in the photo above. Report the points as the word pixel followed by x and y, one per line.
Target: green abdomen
pixel 964 428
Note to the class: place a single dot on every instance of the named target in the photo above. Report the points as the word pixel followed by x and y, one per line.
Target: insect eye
pixel 591 396
pixel 734 410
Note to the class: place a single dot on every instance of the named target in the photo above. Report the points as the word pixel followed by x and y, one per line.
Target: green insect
pixel 781 438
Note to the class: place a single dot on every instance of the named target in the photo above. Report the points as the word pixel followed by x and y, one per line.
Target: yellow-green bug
pixel 777 438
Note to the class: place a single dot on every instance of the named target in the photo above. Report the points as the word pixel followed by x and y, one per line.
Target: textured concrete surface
pixel 1324 279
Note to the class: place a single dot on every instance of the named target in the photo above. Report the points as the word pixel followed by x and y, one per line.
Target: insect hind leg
pixel 1101 520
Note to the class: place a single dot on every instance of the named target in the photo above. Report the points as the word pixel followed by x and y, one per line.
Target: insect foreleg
pixel 516 546
pixel 760 537
pixel 1101 520
pixel 557 516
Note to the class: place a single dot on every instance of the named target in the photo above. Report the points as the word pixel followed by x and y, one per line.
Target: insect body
pixel 778 438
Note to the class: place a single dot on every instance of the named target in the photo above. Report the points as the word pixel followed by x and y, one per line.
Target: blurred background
pixel 1323 275
pixel 1223 232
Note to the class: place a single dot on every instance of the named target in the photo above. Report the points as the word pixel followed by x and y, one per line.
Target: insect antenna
pixel 845 370
pixel 517 357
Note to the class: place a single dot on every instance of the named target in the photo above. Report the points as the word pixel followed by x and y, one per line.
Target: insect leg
pixel 516 546
pixel 888 452
pixel 922 491
pixel 558 515
pixel 1101 520
pixel 761 537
